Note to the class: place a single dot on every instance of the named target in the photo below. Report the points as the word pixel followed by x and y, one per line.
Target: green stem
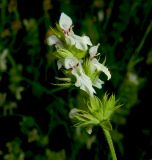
pixel 110 143
pixel 144 38
pixel 134 59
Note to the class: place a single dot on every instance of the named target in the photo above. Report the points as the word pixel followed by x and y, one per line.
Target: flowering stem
pixel 110 143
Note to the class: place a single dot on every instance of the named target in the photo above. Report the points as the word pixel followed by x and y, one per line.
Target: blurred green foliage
pixel 34 115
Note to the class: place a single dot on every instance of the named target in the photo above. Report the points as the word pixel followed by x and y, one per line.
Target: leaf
pixel 62 84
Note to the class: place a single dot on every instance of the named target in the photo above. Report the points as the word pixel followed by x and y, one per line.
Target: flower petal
pixel 93 50
pixel 84 82
pixel 80 42
pixel 87 40
pixel 65 22
pixel 73 112
pixel 98 83
pixel 52 40
pixel 70 62
pixel 59 63
pixel 105 70
pixel 100 67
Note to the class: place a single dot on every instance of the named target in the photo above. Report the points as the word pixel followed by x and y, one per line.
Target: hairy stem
pixel 110 143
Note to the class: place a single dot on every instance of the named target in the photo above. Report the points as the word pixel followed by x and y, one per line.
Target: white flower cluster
pixel 77 55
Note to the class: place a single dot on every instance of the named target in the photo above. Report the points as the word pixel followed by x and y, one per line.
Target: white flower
pixel 60 63
pixel 93 51
pixel 3 56
pixel 100 67
pixel 98 83
pixel 65 23
pixel 69 62
pixel 53 40
pixel 73 113
pixel 96 65
pixel 82 80
pixel 81 43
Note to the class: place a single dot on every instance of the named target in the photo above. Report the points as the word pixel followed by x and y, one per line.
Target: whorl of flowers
pixel 77 57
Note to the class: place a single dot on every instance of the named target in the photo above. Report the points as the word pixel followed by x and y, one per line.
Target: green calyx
pixel 66 82
pixel 103 109
pixel 87 66
pixel 58 32
pixel 99 112
pixel 79 54
pixel 63 53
